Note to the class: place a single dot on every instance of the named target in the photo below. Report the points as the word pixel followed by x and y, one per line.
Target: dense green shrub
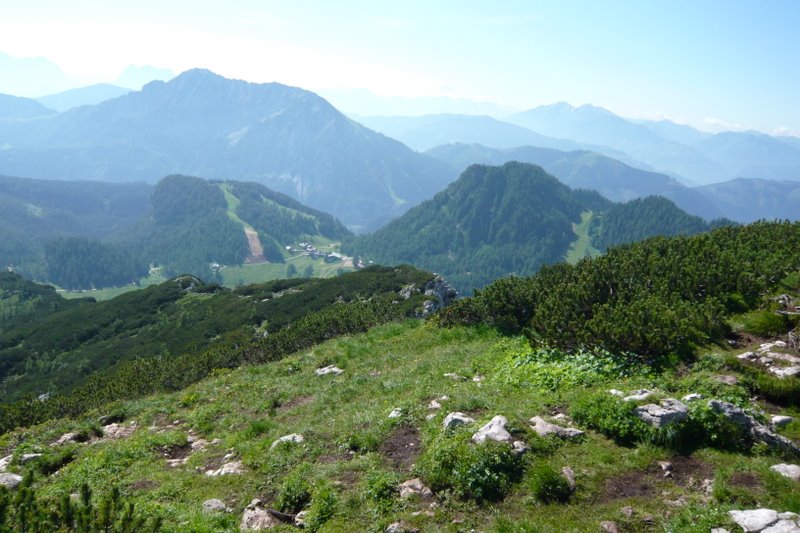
pixel 381 488
pixel 295 491
pixel 611 416
pixel 476 472
pixel 323 506
pixel 547 484
pixel 766 323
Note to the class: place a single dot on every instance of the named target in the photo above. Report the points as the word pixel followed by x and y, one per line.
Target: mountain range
pixel 202 124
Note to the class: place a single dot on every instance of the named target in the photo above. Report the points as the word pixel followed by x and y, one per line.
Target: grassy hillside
pixel 56 352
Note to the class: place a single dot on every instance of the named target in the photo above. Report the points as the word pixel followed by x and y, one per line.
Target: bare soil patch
pixel 174 451
pixel 297 401
pixel 746 480
pixel 402 447
pixel 687 472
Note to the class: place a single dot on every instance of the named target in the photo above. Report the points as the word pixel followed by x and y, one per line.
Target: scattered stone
pixel 666 466
pixel 627 511
pixel 256 518
pixel 397 412
pixel 569 475
pixel 519 446
pixel 727 379
pixel 669 412
pixel 400 527
pixel 790 471
pixel 786 371
pixel 544 429
pixel 638 395
pixel 430 416
pixel 236 467
pixel 615 392
pixel 444 398
pixel 331 369
pixel 719 530
pixel 119 431
pixel 747 356
pixel 757 431
pixel 214 506
pixel 28 457
pixel 784 357
pixel 300 519
pixel 783 526
pixel 434 405
pixel 295 438
pixel 608 526
pixel 494 430
pixel 692 397
pixel 754 520
pixel 479 378
pixel 5 461
pixel 414 487
pixel 10 481
pixel 457 419
pixel 454 376
pixel 67 438
pixel 781 420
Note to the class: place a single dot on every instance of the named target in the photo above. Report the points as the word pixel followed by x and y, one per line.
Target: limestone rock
pixel 495 430
pixel 454 376
pixel 396 413
pixel 781 420
pixel 28 457
pixel 119 431
pixel 757 431
pixel 790 471
pixel 727 379
pixel 331 369
pixel 414 487
pixel 67 438
pixel 754 520
pixel 434 405
pixel 692 397
pixel 638 395
pixel 670 411
pixel 456 419
pixel 615 392
pixel 569 475
pixel 5 461
pixel 519 446
pixel 544 429
pixel 785 371
pixel 294 438
pixel 400 527
pixel 10 481
pixel 214 506
pixel 608 526
pixel 256 518
pixel 235 467
pixel 783 526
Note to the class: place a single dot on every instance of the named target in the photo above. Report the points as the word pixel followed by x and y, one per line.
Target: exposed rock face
pixel 495 430
pixel 10 481
pixel 755 430
pixel 669 412
pixel 765 521
pixel 256 518
pixel 294 438
pixel 790 471
pixel 444 293
pixel 331 369
pixel 453 420
pixel 414 487
pixel 544 429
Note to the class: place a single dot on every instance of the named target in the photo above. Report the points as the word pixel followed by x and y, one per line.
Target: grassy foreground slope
pixel 354 455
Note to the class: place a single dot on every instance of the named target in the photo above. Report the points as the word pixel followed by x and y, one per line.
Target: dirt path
pixel 256 250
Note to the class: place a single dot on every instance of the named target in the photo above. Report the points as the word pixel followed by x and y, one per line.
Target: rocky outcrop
pixel 765 521
pixel 669 412
pixel 453 420
pixel 234 467
pixel 544 428
pixel 214 506
pixel 119 431
pixel 331 369
pixel 495 430
pixel 414 488
pixel 256 518
pixel 10 481
pixel 754 429
pixel 443 295
pixel 790 471
pixel 294 438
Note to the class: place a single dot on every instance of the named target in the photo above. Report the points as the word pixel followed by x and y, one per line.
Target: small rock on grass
pixel 607 526
pixel 495 430
pixel 414 487
pixel 786 470
pixel 214 506
pixel 754 520
pixel 781 420
pixel 10 481
pixel 456 419
pixel 330 369
pixel 294 438
pixel 397 412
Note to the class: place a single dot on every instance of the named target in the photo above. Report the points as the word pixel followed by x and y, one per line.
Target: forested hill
pixel 512 219
pixel 34 212
pixel 82 235
pixel 199 123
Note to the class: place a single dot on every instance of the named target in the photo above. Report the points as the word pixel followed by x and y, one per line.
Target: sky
pixel 715 64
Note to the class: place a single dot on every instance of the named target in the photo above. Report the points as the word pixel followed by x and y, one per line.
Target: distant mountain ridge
pixel 202 124
pixel 512 219
pixel 588 170
pixel 90 95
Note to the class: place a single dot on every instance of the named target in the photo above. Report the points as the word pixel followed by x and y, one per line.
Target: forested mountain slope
pixel 495 221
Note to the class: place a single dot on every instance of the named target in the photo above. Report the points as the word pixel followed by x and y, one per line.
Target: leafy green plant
pixel 547 484
pixel 381 489
pixel 295 491
pixel 766 323
pixel 323 506
pixel 476 472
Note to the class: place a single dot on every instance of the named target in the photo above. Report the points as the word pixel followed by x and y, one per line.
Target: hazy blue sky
pixel 701 61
